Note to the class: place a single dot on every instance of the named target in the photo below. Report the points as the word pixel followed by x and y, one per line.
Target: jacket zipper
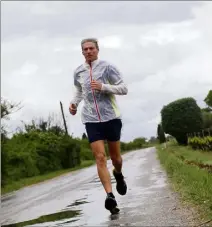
pixel 95 102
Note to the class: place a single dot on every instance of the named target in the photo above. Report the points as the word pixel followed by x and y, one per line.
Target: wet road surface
pixel 77 198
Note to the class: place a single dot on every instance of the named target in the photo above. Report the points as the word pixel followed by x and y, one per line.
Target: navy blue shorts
pixel 109 130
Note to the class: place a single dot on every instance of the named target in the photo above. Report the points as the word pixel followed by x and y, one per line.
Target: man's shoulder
pixel 79 69
pixel 109 65
pixel 106 63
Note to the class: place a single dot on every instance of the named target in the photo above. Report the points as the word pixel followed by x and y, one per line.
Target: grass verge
pixel 188 154
pixel 37 179
pixel 193 183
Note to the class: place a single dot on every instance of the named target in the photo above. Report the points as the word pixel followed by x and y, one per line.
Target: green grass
pixel 193 184
pixel 37 179
pixel 189 154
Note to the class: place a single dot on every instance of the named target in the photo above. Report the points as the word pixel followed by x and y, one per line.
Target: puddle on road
pixel 78 202
pixel 48 218
pixel 55 217
pixel 96 180
pixel 114 216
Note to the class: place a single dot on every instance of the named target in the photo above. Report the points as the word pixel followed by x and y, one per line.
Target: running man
pixel 97 82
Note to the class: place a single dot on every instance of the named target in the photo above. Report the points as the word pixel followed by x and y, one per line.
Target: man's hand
pixel 72 109
pixel 96 85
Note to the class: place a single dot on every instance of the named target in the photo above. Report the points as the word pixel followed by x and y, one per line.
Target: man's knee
pixel 116 159
pixel 100 158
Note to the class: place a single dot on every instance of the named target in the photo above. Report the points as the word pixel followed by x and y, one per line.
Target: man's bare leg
pixel 115 154
pixel 98 150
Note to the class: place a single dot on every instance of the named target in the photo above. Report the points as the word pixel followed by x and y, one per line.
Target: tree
pixel 84 136
pixel 8 107
pixel 208 99
pixel 52 124
pixel 181 117
pixel 207 112
pixel 161 134
pixel 139 141
pixel 207 109
pixel 152 139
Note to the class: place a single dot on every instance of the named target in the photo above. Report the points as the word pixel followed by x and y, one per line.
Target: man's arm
pixel 117 85
pixel 77 93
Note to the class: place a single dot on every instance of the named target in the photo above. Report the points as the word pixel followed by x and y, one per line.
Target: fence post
pixel 64 121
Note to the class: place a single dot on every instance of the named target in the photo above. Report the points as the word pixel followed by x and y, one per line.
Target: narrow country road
pixel 149 201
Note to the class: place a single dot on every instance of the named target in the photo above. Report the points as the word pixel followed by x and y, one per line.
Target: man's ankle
pixel 111 194
pixel 118 172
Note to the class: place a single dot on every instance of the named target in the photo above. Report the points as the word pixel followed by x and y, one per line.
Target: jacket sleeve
pixel 77 92
pixel 116 84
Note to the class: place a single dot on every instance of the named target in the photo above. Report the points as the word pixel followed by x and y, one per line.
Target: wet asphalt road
pixel 149 201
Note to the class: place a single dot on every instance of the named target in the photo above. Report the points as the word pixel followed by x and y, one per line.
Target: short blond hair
pixel 93 40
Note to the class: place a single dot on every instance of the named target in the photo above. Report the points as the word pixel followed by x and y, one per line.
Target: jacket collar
pixel 93 64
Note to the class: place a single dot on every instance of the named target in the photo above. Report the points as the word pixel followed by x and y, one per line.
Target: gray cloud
pixel 75 18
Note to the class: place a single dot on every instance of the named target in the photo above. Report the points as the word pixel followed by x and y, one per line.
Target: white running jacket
pixel 99 106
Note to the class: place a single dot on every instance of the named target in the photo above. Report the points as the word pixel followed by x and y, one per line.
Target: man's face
pixel 90 51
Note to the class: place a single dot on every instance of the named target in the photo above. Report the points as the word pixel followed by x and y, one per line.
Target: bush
pixel 202 143
pixel 137 143
pixel 86 154
pixel 35 153
pixel 181 117
pixel 4 158
pixel 20 161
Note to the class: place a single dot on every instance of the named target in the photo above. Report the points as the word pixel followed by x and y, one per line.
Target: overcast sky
pixel 163 49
